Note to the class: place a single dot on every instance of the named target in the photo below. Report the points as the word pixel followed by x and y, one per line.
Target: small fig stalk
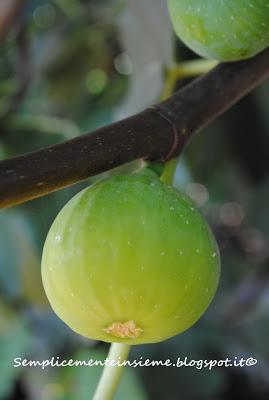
pixel 111 375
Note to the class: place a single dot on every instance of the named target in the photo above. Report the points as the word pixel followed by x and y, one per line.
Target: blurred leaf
pixel 149 49
pixel 19 263
pixel 14 342
pixel 45 124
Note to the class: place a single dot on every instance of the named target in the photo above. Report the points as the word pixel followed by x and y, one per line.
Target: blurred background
pixel 66 68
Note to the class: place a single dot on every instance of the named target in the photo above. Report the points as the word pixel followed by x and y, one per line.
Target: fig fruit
pixel 130 260
pixel 225 30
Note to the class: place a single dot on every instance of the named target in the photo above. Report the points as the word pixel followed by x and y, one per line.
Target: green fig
pixel 130 259
pixel 225 30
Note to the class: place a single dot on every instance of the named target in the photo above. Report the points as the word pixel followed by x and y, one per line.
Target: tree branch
pixel 158 133
pixel 8 11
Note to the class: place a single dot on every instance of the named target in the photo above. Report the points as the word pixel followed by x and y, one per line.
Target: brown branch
pixel 8 11
pixel 158 133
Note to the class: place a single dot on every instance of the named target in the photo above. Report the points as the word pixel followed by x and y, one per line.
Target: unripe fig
pixel 225 30
pixel 130 260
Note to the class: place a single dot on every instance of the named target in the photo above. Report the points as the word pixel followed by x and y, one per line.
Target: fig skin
pixel 130 260
pixel 225 30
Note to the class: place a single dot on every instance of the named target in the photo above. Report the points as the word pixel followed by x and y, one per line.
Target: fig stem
pixel 169 171
pixel 187 69
pixel 111 375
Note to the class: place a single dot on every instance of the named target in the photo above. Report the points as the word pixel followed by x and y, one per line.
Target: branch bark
pixel 158 133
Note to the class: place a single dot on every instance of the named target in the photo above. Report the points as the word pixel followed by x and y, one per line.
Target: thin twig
pixel 158 133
